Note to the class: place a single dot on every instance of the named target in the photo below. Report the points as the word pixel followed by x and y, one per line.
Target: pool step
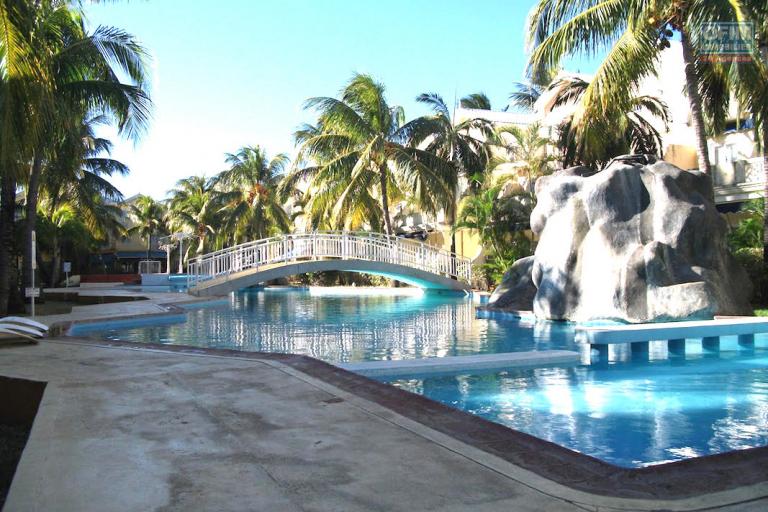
pixel 463 363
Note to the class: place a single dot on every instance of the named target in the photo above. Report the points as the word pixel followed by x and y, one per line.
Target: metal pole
pixel 34 267
pixel 181 254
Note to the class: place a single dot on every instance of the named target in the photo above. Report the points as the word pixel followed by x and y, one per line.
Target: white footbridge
pixel 260 261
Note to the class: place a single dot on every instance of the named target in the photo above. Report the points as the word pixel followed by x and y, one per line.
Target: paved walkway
pixel 135 303
pixel 124 429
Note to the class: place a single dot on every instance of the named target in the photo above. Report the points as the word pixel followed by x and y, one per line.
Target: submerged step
pixel 463 363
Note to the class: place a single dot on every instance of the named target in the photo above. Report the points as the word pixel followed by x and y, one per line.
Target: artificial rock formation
pixel 633 243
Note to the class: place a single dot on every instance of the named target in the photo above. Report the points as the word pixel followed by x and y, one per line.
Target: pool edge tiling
pixel 678 480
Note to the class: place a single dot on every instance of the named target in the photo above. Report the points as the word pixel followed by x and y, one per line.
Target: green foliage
pixel 501 223
pixel 358 161
pixel 752 261
pixel 148 215
pixel 594 140
pixel 248 192
pixel 748 234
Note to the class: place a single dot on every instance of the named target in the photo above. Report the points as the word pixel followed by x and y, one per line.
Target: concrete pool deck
pixel 126 427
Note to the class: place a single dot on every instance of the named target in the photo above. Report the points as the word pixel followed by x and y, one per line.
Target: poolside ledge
pixel 461 363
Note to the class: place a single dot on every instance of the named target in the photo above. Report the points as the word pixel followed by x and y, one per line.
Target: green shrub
pixel 752 261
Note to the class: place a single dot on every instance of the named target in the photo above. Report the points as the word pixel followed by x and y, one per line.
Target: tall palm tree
pixel 594 140
pixel 194 207
pixel 359 150
pixel 148 215
pixel 633 32
pixel 91 74
pixel 252 207
pixel 75 178
pixel 23 82
pixel 460 144
pixel 747 79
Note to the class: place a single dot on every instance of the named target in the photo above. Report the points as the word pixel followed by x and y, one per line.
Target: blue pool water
pixel 344 328
pixel 629 413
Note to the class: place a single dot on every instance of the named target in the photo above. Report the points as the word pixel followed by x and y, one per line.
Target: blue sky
pixel 235 72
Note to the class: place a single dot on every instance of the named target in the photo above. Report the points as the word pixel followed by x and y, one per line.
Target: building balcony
pixel 740 181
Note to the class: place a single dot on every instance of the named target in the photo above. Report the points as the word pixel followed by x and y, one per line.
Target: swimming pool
pixel 344 326
pixel 627 414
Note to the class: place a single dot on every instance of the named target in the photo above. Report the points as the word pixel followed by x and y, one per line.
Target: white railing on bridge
pixel 329 245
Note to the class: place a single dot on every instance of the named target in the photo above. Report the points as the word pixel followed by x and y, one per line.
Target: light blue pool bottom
pixel 625 414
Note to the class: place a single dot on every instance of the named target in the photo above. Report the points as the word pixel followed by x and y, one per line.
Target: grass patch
pixel 761 312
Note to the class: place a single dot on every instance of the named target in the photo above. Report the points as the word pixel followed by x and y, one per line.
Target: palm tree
pixel 500 221
pixel 633 32
pixel 524 95
pixel 148 215
pixel 594 140
pixel 460 144
pixel 84 71
pixel 747 79
pixel 75 178
pixel 476 101
pixel 195 207
pixel 249 192
pixel 22 84
pixel 525 148
pixel 359 151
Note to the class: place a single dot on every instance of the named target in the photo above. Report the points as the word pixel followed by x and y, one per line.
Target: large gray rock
pixel 516 290
pixel 632 243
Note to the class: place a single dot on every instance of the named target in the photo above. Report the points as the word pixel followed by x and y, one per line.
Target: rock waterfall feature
pixel 634 243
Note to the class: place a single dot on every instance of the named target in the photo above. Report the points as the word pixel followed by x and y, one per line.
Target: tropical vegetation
pixel 361 163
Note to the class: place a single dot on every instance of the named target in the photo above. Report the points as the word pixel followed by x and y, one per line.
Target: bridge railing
pixel 328 245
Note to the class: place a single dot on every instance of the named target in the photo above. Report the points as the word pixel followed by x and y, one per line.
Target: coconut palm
pixel 91 74
pixel 500 221
pixel 194 207
pixel 76 178
pixel 476 101
pixel 148 215
pixel 526 149
pixel 594 141
pixel 22 84
pixel 252 207
pixel 460 144
pixel 746 79
pixel 359 150
pixel 633 33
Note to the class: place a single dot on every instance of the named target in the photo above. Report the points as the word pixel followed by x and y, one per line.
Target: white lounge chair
pixel 18 327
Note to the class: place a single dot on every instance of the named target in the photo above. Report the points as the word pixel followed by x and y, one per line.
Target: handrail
pixel 328 245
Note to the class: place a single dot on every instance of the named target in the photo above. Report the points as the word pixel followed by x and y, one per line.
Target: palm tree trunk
pixel 384 198
pixel 694 98
pixel 31 215
pixel 764 143
pixel 7 213
pixel 56 260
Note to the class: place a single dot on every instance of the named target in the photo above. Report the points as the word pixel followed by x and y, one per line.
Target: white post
pixel 34 267
pixel 181 255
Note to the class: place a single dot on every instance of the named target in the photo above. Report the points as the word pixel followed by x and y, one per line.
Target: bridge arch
pixel 260 261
